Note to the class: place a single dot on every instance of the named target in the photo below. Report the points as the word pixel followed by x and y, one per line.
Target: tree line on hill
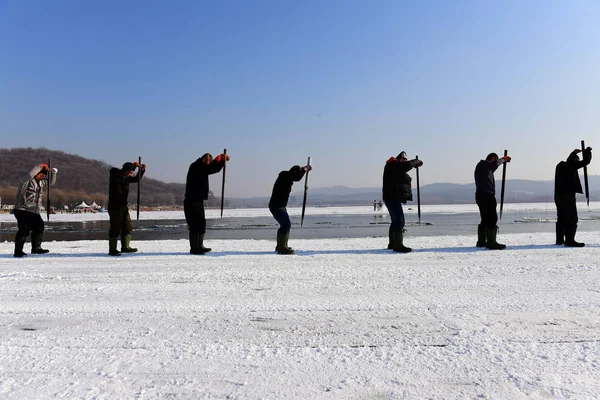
pixel 81 179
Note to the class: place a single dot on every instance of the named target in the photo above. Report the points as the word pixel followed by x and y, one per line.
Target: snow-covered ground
pixel 342 319
pixel 295 211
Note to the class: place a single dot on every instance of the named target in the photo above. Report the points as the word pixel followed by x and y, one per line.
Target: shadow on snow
pixel 299 252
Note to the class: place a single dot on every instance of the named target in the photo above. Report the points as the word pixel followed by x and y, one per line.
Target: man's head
pixel 402 156
pixel 573 157
pixel 296 170
pixel 42 174
pixel 206 159
pixel 492 157
pixel 128 169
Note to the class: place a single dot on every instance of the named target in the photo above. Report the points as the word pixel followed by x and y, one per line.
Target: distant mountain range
pixel 516 191
pixel 83 179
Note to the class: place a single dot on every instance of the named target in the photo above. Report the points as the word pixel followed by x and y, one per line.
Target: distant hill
pixel 80 179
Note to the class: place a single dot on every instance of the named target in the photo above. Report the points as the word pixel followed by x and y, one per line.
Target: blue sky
pixel 349 83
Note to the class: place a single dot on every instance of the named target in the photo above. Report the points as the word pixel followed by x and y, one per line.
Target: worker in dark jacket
pixel 196 191
pixel 118 211
pixel 396 191
pixel 566 185
pixel 278 203
pixel 27 210
pixel 485 197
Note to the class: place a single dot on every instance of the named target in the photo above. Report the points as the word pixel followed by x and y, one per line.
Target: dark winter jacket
pixel 484 176
pixel 566 177
pixel 396 181
pixel 283 187
pixel 196 182
pixel 118 187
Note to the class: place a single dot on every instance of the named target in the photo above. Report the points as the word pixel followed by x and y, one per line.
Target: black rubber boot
pixel 570 238
pixel 491 243
pixel 201 244
pixel 125 247
pixel 19 243
pixel 481 236
pixel 391 239
pixel 195 244
pixel 36 244
pixel 399 246
pixel 560 235
pixel 112 246
pixel 282 248
pixel 288 248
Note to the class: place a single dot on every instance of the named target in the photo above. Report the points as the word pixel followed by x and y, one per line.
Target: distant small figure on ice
pixel 397 189
pixel 196 191
pixel 379 205
pixel 374 205
pixel 27 209
pixel 566 185
pixel 278 203
pixel 118 210
pixel 485 197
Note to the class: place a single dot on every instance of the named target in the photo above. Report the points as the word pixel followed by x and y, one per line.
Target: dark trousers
pixel 195 216
pixel 566 210
pixel 120 221
pixel 28 222
pixel 396 214
pixel 281 215
pixel 487 209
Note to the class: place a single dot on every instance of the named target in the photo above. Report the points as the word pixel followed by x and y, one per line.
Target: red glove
pixel 507 158
pixel 420 163
pixel 307 167
pixel 45 168
pixel 143 167
pixel 136 164
pixel 222 156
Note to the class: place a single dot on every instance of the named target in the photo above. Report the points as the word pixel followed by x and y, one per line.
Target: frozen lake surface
pixel 342 319
pixel 320 222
